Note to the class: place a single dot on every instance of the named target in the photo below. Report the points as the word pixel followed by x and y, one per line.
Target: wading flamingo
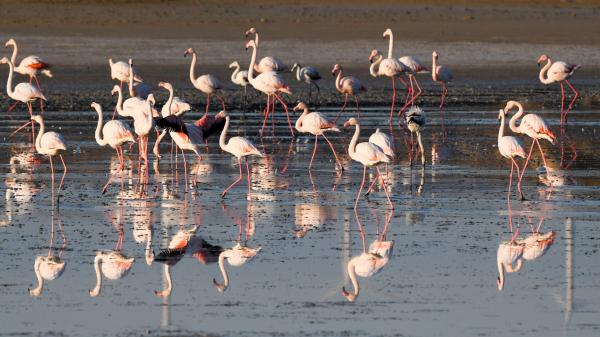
pixel 389 67
pixel 347 85
pixel 239 147
pixel 384 141
pixel 414 67
pixel 143 123
pixel 510 147
pixel 531 125
pixel 316 124
pixel 137 89
pixel 267 63
pixel 240 78
pixel 415 121
pixel 269 83
pixel 207 84
pixel 308 75
pixel 120 71
pixel 174 105
pixel 23 92
pixel 50 143
pixel 113 265
pixel 368 154
pixel 559 72
pixel 442 75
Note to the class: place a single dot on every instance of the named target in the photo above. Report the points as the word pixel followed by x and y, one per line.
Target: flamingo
pixel 414 67
pixel 389 67
pixel 508 258
pixel 50 144
pixel 366 265
pixel 368 154
pixel 46 268
pixel 415 121
pixel 142 124
pixel 308 75
pixel 23 92
pixel 510 147
pixel 537 244
pixel 239 78
pixel 130 106
pixel 137 89
pixel 236 257
pixel 114 133
pixel 559 72
pixel 348 85
pixel 316 124
pixel 207 84
pixel 174 105
pixel 269 83
pixel 267 63
pixel 238 147
pixel 172 255
pixel 533 126
pixel 113 265
pixel 120 71
pixel 384 141
pixel 442 75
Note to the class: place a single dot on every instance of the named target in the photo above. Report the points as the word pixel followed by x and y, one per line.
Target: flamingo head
pixel 501 114
pixel 335 69
pixel 219 286
pixel 130 62
pixel 4 60
pixel 349 296
pixel 510 105
pixel 150 99
pixel 542 58
pixel 222 114
pixel 296 65
pixel 250 43
pixel 115 89
pixel 189 51
pixel 165 85
pixel 251 31
pixel 37 118
pixel 234 64
pixel 351 122
pixel 388 32
pixel 373 55
pixel 96 106
pixel 300 106
pixel 10 42
pixel 435 54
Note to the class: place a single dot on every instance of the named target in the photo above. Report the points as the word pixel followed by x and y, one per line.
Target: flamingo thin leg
pixel 63 177
pixel 362 184
pixel 313 153
pixel 342 109
pixel 287 114
pixel 235 182
pixel 334 154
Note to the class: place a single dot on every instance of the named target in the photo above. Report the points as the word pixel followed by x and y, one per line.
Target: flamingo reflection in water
pixel 239 254
pixel 49 267
pixel 370 261
pixel 20 186
pixel 113 264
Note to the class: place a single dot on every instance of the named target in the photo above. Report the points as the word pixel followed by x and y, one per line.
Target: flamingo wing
pixel 27 92
pixel 243 146
pixel 171 123
pixel 310 72
pixel 34 62
pixel 444 74
pixel 208 83
pixel 413 64
pixel 53 141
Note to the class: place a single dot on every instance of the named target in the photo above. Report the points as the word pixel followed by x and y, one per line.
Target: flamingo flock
pixel 266 75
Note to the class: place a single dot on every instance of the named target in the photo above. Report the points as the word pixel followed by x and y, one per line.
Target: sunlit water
pixel 440 280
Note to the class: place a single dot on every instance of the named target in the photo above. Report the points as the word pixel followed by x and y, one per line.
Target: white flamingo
pixel 51 144
pixel 414 67
pixel 559 72
pixel 384 141
pixel 239 78
pixel 174 105
pixel 267 63
pixel 208 84
pixel 137 89
pixel 510 147
pixel 120 71
pixel 347 86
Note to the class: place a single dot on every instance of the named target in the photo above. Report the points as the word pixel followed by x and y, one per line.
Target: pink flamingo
pixel 239 147
pixel 533 126
pixel 23 92
pixel 114 133
pixel 267 63
pixel 137 89
pixel 208 84
pixel 174 105
pixel 384 141
pixel 559 72
pixel 510 147
pixel 347 85
pixel 270 83
pixel 50 144
pixel 389 67
pixel 31 65
pixel 120 71
pixel 442 75
pixel 316 124
pixel 368 154
pixel 414 67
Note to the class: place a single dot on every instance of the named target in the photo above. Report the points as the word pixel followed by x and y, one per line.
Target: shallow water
pixel 448 221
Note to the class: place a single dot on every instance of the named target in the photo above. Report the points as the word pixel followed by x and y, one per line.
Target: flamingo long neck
pixel 235 72
pixel 543 73
pixel 222 143
pixel 167 291
pixel 252 63
pixel 353 279
pixel 170 101
pixel 98 134
pixel 13 58
pixel 256 40
pixel 434 67
pixel 298 73
pixel 223 271
pixel 374 65
pixel 11 71
pixel 501 130
pixel 131 91
pixel 513 119
pixel 96 291
pixel 352 146
pixel 338 80
pixel 149 117
pixel 38 139
pixel 38 274
pixel 192 69
pixel 120 102
pixel 500 273
pixel 300 119
pixel 390 44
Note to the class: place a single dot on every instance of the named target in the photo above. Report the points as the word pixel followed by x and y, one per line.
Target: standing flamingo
pixel 208 84
pixel 142 125
pixel 415 121
pixel 414 67
pixel 559 72
pixel 23 92
pixel 510 147
pixel 137 89
pixel 50 144
pixel 348 85
pixel 316 124
pixel 442 75
pixel 308 75
pixel 385 143
pixel 368 154
pixel 389 67
pixel 239 147
pixel 240 78
pixel 269 83
pixel 174 105
pixel 267 63
pixel 120 71
pixel 533 126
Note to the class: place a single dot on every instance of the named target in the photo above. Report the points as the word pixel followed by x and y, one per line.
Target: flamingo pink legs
pixel 208 102
pixel 240 178
pixel 563 112
pixel 362 184
pixel 512 166
pixel 529 156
